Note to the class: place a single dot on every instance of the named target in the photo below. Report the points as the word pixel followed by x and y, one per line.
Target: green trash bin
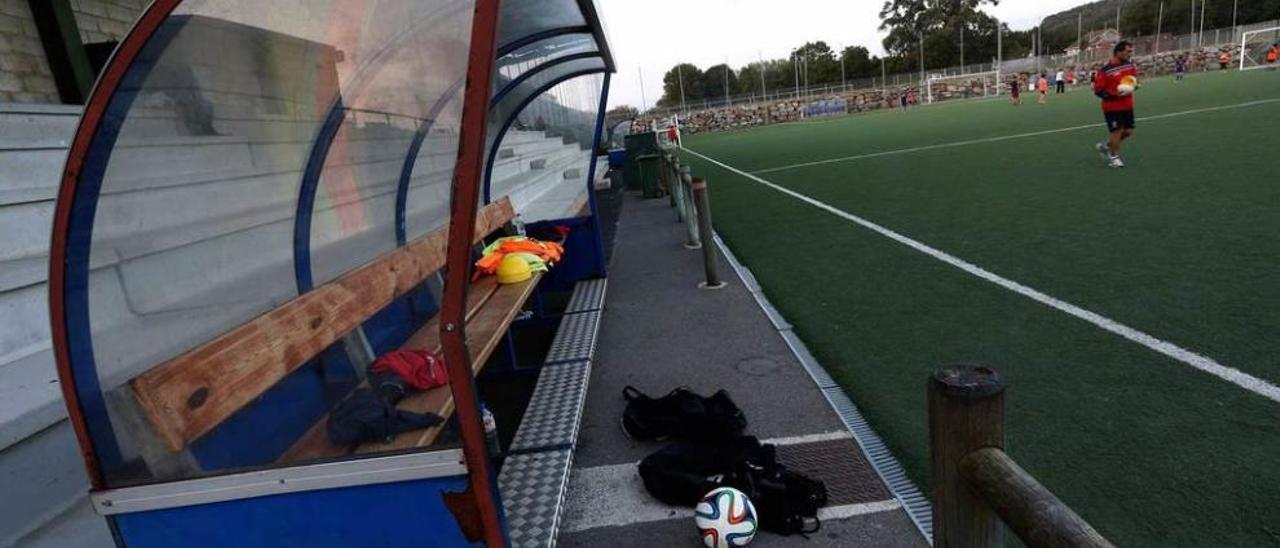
pixel 649 164
pixel 638 145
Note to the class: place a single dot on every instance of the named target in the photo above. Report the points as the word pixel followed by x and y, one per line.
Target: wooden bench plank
pixel 315 444
pixel 484 331
pixel 187 396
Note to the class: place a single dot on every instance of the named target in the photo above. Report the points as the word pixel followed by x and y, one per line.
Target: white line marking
pixel 613 495
pixel 1203 363
pixel 845 511
pixel 811 438
pixel 1005 137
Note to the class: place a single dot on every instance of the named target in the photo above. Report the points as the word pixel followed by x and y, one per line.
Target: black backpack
pixel 786 502
pixel 681 414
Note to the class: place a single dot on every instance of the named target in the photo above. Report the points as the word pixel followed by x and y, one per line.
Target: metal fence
pixel 1146 45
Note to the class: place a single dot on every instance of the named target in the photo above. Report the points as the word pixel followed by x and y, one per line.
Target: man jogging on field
pixel 1117 107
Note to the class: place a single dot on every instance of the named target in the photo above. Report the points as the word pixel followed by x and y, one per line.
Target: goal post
pixel 940 87
pixel 1254 46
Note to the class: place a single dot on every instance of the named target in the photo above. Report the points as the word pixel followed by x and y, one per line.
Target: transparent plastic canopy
pixel 254 151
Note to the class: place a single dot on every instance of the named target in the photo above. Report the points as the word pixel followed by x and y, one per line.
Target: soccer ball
pixel 1127 85
pixel 725 518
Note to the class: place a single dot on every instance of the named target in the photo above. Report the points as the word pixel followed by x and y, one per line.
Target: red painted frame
pixel 104 91
pixel 467 175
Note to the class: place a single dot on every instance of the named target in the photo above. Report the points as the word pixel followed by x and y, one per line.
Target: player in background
pixel 1273 55
pixel 1180 68
pixel 1015 91
pixel 1224 60
pixel 1061 80
pixel 1042 85
pixel 1117 107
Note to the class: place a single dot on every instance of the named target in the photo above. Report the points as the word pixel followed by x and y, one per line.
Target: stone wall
pixel 25 76
pixel 106 20
pixel 24 72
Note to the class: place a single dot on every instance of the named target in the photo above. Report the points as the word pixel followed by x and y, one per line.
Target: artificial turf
pixel 1181 244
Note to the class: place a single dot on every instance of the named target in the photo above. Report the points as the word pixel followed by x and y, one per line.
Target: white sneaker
pixel 1115 163
pixel 1103 150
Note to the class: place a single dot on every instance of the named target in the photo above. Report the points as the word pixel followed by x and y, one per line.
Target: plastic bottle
pixel 490 431
pixel 519 224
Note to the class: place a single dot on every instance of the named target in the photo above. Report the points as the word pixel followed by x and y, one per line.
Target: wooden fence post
pixel 966 413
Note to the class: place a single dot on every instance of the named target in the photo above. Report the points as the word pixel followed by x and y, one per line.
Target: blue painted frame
pixel 411 158
pixel 591 174
pixel 537 36
pixel 307 194
pixel 497 97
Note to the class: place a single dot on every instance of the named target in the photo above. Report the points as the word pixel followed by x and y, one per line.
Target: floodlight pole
pixel 1193 21
pixel 1119 6
pixel 962 47
pixel 884 79
pixel 643 101
pixel 844 80
pixel 922 58
pixel 726 81
pixel 680 78
pixel 1159 24
pixel 763 92
pixel 1079 36
pixel 999 47
pixel 795 65
pixel 1200 40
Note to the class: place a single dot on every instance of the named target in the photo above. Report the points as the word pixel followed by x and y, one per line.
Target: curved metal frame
pixel 506 124
pixel 411 159
pixel 514 45
pixel 71 240
pixel 526 75
pixel 302 267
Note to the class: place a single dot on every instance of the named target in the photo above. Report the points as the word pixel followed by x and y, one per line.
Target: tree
pixel 713 82
pixel 818 63
pixel 684 73
pixel 938 24
pixel 858 62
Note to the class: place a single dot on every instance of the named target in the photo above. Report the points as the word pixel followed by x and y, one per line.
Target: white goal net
pixel 1260 49
pixel 941 87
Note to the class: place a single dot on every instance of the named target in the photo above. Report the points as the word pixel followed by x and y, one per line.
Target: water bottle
pixel 490 431
pixel 519 224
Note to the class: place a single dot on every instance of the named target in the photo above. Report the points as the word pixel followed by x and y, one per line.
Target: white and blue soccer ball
pixel 725 518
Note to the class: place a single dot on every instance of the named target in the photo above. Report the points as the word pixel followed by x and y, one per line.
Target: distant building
pixel 1096 44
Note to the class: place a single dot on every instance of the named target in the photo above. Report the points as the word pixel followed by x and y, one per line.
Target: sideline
pixel 1197 361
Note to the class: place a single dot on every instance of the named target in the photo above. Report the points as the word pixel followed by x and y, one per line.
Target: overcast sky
pixel 653 35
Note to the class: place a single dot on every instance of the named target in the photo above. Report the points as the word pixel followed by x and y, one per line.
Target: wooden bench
pixel 191 394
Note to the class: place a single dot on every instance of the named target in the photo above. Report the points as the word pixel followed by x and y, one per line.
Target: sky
pixel 650 36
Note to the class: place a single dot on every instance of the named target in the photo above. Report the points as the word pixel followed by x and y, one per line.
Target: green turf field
pixel 1182 246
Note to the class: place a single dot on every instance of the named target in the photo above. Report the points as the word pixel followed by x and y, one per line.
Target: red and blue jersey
pixel 1106 82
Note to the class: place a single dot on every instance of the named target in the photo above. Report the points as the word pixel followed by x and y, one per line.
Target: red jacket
pixel 1106 81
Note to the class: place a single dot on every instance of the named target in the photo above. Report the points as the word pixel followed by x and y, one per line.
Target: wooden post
pixel 966 413
pixel 693 239
pixel 703 205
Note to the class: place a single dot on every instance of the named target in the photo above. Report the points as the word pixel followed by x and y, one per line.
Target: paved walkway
pixel 660 331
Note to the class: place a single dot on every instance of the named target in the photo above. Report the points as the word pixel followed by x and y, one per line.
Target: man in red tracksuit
pixel 1117 107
